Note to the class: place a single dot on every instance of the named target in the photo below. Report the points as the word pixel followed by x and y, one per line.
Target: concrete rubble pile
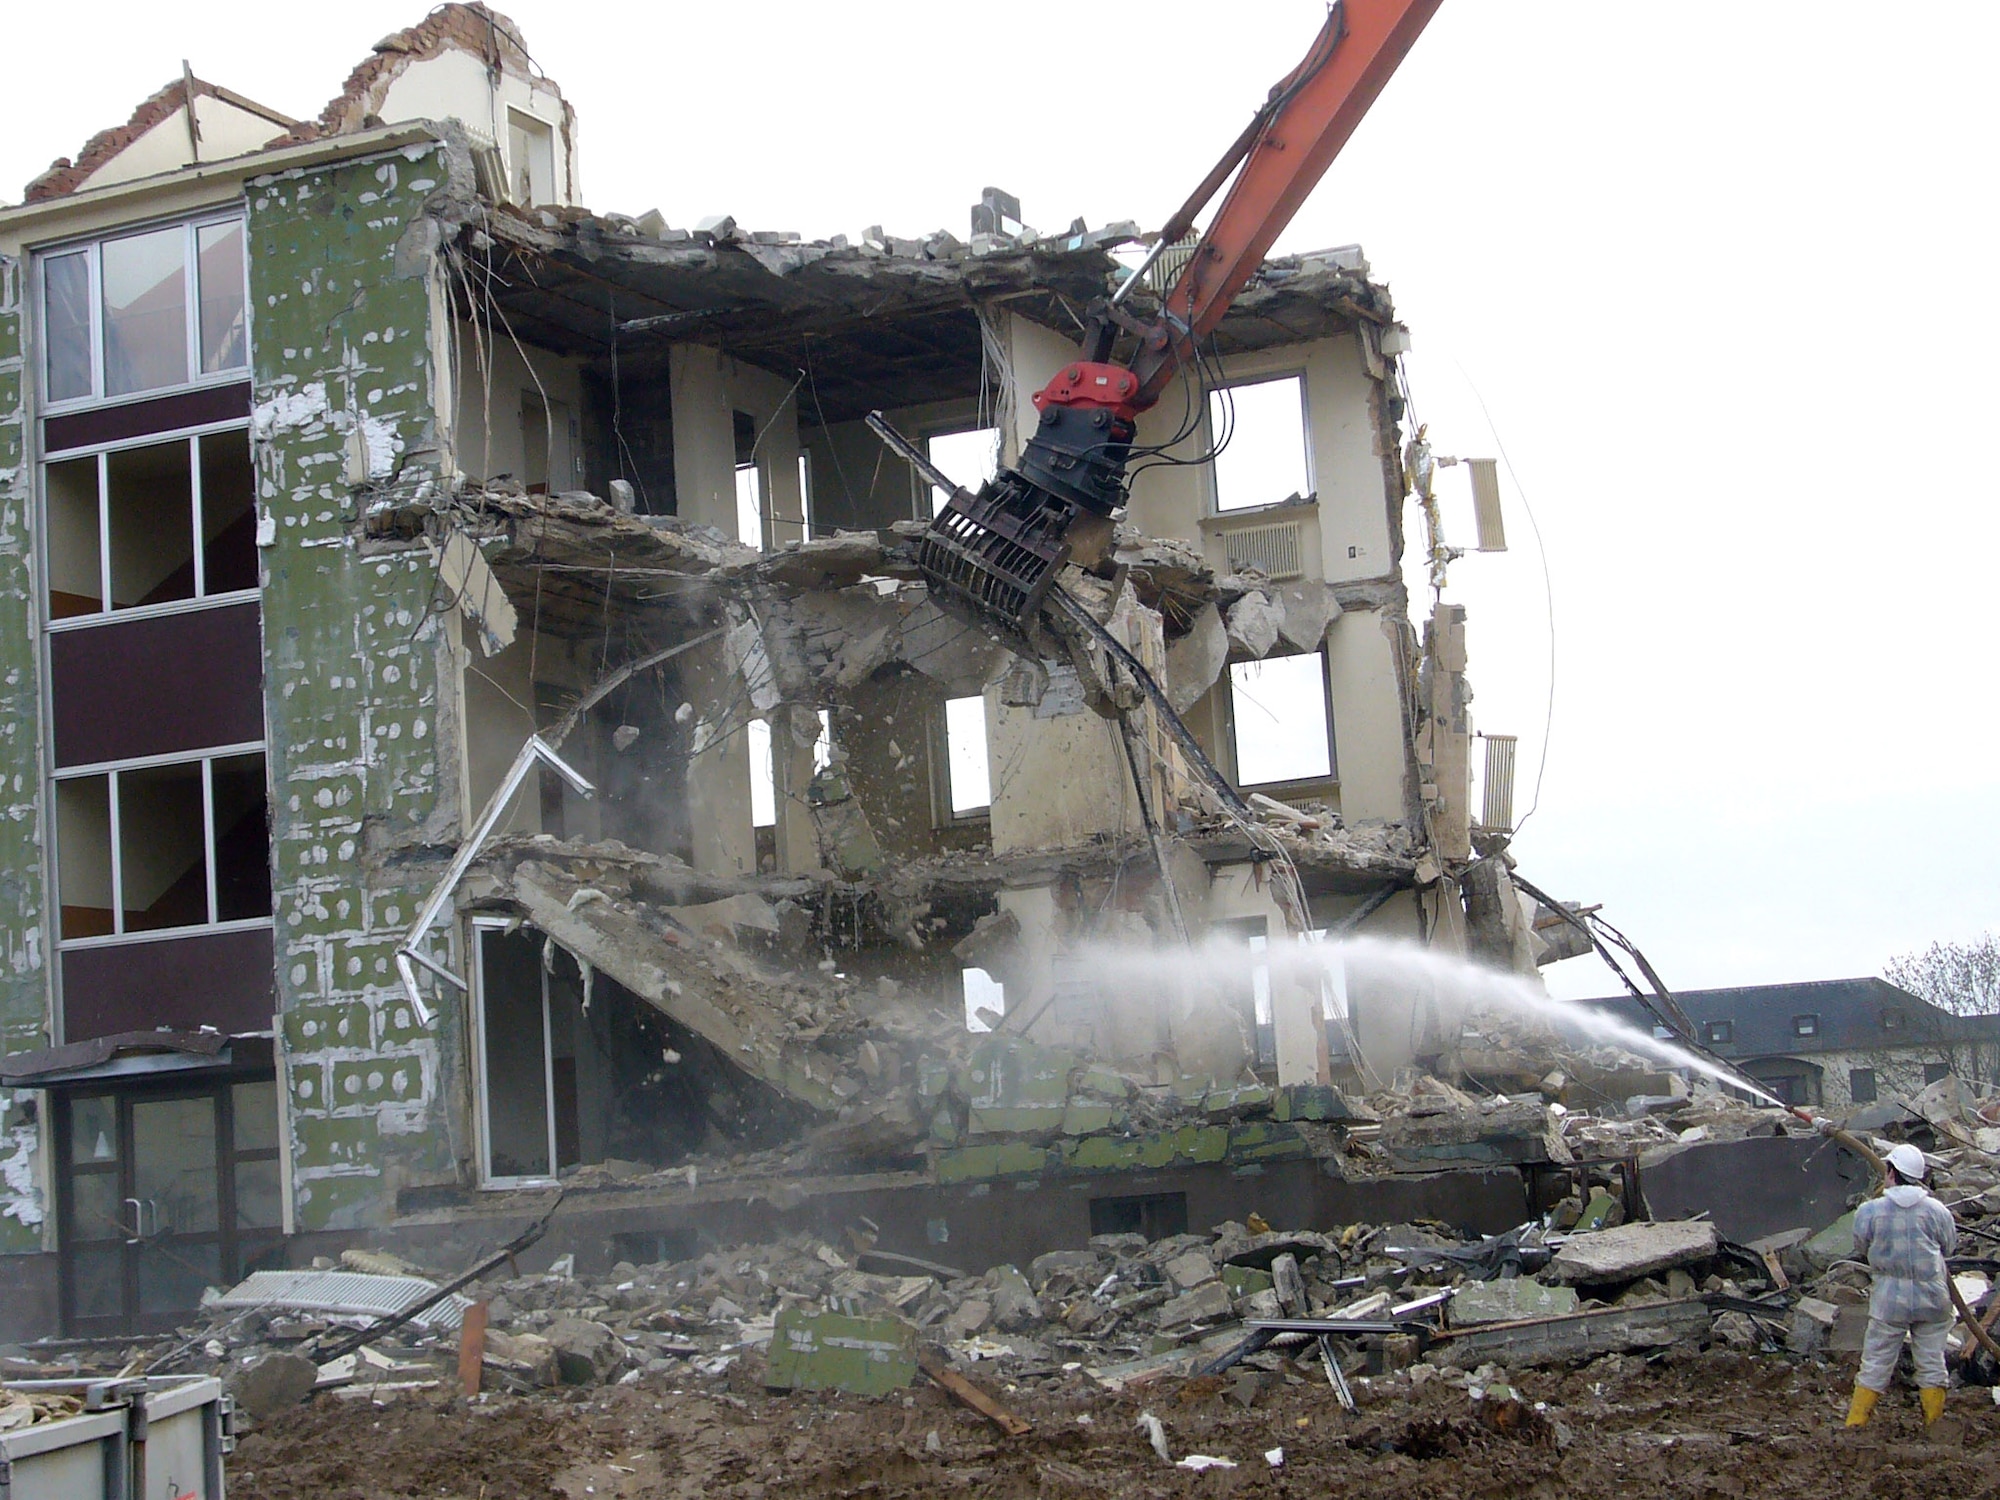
pixel 1118 1311
pixel 1591 1280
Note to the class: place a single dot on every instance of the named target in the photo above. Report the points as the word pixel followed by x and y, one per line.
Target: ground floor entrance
pixel 163 1191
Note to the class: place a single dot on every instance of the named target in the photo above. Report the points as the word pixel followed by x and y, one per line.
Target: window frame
pixel 1806 1024
pixel 478 927
pixel 1213 506
pixel 1332 776
pixel 102 452
pixel 111 770
pixel 944 814
pixel 92 248
pixel 1718 1033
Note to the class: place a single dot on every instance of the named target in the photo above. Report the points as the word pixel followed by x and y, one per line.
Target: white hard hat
pixel 1909 1162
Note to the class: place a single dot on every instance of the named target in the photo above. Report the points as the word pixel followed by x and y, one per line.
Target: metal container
pixel 162 1437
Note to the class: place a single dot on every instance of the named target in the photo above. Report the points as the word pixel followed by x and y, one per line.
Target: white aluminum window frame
pixel 482 1121
pixel 92 248
pixel 102 452
pixel 110 770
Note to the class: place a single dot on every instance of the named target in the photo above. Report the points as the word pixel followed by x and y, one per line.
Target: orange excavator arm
pixel 994 555
pixel 1282 155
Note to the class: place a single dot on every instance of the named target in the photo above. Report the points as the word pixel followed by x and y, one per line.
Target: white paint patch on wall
pixel 20 1194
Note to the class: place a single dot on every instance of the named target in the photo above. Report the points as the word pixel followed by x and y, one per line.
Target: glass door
pixel 163 1194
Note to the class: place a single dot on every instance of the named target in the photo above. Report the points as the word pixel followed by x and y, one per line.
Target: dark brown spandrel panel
pixel 113 424
pixel 219 979
pixel 157 686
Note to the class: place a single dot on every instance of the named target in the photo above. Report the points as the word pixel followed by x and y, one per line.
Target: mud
pixel 1711 1425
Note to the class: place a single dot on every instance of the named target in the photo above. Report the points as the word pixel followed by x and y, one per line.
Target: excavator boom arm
pixel 1283 155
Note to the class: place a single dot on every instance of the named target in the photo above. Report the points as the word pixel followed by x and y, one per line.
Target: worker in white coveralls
pixel 1906 1235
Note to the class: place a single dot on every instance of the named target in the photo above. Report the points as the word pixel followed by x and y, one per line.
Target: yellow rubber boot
pixel 1863 1406
pixel 1932 1397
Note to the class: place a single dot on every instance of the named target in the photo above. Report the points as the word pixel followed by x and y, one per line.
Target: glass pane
pixel 95 1209
pixel 517 1099
pixel 242 842
pixel 228 514
pixel 255 1106
pixel 100 1283
pixel 223 346
pixel 145 312
pixel 76 558
pixel 93 1129
pixel 83 854
pixel 174 1274
pixel 173 1165
pixel 1263 428
pixel 162 854
pixel 257 1195
pixel 152 524
pixel 66 324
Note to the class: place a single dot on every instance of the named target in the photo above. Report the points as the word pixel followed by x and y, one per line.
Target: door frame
pixel 232 1240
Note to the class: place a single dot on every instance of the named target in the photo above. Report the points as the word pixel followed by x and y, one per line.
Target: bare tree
pixel 1963 978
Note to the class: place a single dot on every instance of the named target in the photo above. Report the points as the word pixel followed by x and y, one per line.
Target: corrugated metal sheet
pixel 352 1293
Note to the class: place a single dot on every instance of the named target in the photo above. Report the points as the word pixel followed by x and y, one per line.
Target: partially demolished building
pixel 473 719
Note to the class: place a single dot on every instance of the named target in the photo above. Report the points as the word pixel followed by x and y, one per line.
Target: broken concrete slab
pixel 823 1351
pixel 617 940
pixel 1512 1134
pixel 1831 1244
pixel 1309 609
pixel 1509 1301
pixel 1202 1304
pixel 1186 1272
pixel 1253 624
pixel 1631 1251
pixel 1611 1330
pixel 269 1385
pixel 1014 1302
pixel 586 1351
pixel 1196 660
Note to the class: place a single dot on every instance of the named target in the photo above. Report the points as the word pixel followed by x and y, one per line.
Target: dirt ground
pixel 1716 1424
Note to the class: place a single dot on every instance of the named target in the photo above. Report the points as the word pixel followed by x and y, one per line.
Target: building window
pixel 1861 1085
pixel 1805 1025
pixel 970 458
pixel 1892 1020
pixel 1259 432
pixel 968 778
pixel 1715 1033
pixel 148 524
pixel 1278 720
pixel 763 769
pixel 144 312
pixel 1936 1072
pixel 531 159
pixel 985 999
pixel 158 847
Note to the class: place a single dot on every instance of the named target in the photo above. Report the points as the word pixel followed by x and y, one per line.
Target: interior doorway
pixel 163 1192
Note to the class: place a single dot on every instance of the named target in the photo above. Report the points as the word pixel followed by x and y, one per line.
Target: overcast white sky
pixel 1723 278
